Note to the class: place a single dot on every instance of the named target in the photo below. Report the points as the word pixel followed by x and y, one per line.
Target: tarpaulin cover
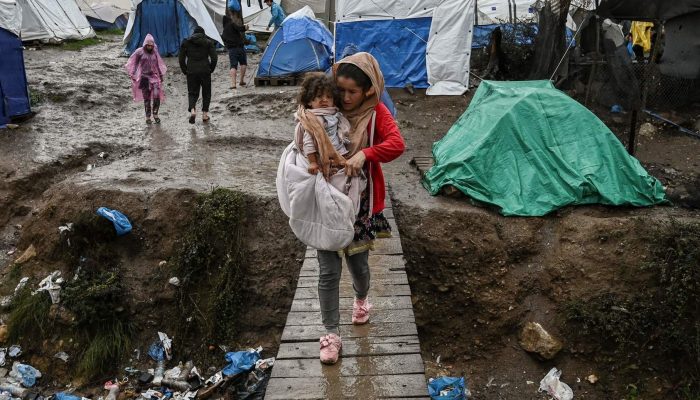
pixel 529 149
pixel 482 34
pixel 399 45
pixel 14 96
pixel 302 54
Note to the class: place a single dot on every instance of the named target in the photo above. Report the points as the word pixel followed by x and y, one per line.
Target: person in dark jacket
pixel 198 61
pixel 234 39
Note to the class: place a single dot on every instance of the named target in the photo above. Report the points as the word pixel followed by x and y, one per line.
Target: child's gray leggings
pixel 330 266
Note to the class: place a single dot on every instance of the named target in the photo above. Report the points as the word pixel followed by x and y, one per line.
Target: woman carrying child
pixel 360 84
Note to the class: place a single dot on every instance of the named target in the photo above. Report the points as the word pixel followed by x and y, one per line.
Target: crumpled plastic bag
pixel 65 396
pixel 161 349
pixel 51 284
pixel 25 373
pixel 240 361
pixel 447 388
pixel 120 221
pixel 554 387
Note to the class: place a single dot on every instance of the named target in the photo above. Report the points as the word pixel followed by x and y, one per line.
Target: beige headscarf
pixel 360 117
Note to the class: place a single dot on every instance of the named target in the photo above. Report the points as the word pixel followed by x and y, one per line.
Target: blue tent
pixel 302 44
pixel 167 20
pixel 13 79
pixel 102 25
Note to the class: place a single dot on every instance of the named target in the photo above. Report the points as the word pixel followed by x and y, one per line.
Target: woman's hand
pixel 354 165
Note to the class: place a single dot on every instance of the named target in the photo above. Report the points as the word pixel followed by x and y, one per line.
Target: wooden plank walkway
pixel 379 360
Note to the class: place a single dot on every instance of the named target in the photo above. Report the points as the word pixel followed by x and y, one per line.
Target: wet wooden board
pixel 350 366
pixel 301 333
pixel 379 279
pixel 380 303
pixel 410 386
pixel 314 317
pixel 388 246
pixel 278 81
pixel 347 291
pixel 353 347
pixel 381 359
pixel 422 164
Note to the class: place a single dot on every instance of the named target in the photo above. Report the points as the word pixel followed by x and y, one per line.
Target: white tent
pixel 53 20
pixel 256 17
pixel 504 11
pixel 11 16
pixel 196 10
pixel 412 39
pixel 105 10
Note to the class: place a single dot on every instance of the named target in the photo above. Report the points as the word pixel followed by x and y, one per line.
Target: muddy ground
pixel 475 275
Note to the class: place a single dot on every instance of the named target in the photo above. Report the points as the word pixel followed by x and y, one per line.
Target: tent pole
pixel 632 142
pixel 476 12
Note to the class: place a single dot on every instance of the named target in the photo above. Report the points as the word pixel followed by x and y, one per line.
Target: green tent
pixel 529 149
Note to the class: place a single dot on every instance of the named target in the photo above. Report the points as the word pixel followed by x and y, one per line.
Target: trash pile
pixel 244 376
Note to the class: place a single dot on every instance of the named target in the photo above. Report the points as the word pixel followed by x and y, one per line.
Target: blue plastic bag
pixel 156 351
pixel 120 221
pixel 234 5
pixel 456 388
pixel 65 396
pixel 240 361
pixel 28 374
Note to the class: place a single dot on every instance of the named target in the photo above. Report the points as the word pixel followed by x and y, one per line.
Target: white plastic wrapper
pixel 554 387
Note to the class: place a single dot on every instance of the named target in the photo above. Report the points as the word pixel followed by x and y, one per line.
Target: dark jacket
pixel 234 36
pixel 197 55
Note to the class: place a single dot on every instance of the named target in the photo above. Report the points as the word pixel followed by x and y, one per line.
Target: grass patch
pixel 105 349
pixel 211 255
pixel 77 45
pixel 111 32
pixel 660 322
pixel 29 315
pixel 101 317
pixel 35 98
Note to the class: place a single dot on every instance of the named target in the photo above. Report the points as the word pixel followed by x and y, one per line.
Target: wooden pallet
pixel 380 359
pixel 279 80
pixel 423 164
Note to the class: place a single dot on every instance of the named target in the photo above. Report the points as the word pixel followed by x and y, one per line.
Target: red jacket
pixel 388 145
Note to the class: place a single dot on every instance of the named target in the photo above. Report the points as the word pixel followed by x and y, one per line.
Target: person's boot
pixel 330 348
pixel 360 311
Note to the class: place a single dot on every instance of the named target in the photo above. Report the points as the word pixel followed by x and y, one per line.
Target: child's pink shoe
pixel 360 311
pixel 330 348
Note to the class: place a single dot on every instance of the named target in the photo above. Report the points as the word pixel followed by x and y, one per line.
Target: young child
pixel 323 130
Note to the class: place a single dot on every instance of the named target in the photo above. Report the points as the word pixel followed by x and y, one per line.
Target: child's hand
pixel 313 168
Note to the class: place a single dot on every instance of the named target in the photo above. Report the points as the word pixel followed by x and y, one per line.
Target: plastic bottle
pixel 159 372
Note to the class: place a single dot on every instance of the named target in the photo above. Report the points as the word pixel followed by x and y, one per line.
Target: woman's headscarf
pixel 141 57
pixel 360 117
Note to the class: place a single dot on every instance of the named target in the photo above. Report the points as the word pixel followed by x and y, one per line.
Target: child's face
pixel 325 100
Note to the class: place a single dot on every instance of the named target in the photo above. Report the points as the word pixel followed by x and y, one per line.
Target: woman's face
pixel 149 47
pixel 351 95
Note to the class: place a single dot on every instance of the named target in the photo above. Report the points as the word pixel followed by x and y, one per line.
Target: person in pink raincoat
pixel 147 71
